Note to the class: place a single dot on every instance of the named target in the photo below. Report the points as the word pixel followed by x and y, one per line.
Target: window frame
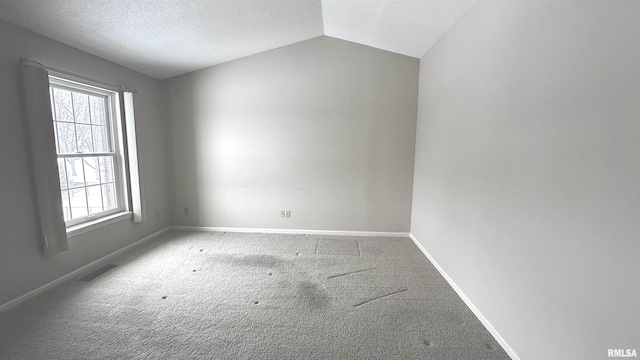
pixel 116 135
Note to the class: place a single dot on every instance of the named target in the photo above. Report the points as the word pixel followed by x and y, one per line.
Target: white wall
pixel 324 128
pixel 527 175
pixel 23 267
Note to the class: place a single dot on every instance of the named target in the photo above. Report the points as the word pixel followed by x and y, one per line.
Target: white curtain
pixel 135 173
pixel 44 160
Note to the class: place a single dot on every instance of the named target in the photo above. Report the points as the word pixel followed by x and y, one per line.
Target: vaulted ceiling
pixel 165 38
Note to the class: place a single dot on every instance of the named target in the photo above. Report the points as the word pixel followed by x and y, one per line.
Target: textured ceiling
pixel 164 38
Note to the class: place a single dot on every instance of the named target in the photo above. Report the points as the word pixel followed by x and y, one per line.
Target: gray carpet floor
pixel 200 295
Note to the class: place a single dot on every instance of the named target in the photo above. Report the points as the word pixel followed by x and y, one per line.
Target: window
pixel 89 148
pixel 83 153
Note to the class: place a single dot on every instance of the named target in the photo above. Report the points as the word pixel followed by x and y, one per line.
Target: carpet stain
pixel 313 295
pixel 488 346
pixel 427 343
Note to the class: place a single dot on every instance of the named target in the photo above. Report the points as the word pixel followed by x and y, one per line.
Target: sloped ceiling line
pixel 165 38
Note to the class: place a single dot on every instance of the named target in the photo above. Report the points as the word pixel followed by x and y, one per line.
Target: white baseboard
pixel 291 231
pixel 71 275
pixel 467 301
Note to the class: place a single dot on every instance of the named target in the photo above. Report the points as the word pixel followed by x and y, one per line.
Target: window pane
pixel 94 196
pixel 78 199
pixel 63 174
pixel 88 183
pixel 106 169
pixel 97 110
pixel 109 197
pixel 100 143
pixel 75 172
pixel 91 170
pixel 55 136
pixel 63 105
pixel 66 138
pixel 81 108
pixel 85 141
pixel 53 106
pixel 65 205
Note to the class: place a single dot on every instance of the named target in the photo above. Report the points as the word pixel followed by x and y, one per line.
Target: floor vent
pixel 98 272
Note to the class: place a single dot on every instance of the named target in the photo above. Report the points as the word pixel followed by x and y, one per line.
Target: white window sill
pixel 94 224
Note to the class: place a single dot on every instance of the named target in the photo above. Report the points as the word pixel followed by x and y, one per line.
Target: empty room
pixel 320 179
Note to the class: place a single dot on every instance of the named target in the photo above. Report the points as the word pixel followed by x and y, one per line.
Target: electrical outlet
pixel 283 213
pixel 288 214
pixel 186 211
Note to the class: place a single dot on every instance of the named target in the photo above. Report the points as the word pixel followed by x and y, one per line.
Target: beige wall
pixel 324 128
pixel 527 176
pixel 22 265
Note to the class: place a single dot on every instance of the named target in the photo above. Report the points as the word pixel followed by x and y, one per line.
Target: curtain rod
pixel 99 83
